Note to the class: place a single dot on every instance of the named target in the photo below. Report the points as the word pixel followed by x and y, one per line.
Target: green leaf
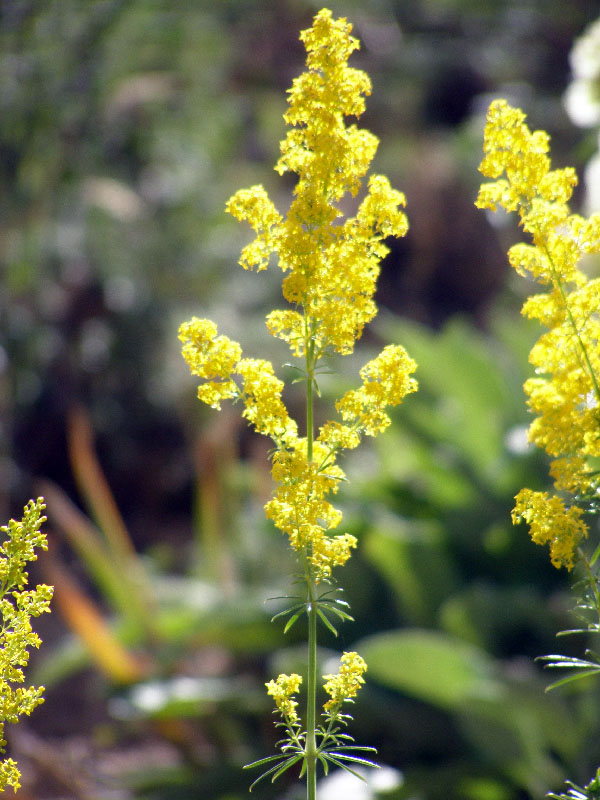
pixel 292 620
pixel 288 611
pixel 326 622
pixel 431 666
pixel 414 561
pixel 571 678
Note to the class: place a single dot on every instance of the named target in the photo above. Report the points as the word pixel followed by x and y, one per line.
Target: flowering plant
pixel 331 269
pixel 565 393
pixel 17 606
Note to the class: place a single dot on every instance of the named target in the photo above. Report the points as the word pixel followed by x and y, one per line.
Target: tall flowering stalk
pixel 564 395
pixel 331 268
pixel 17 605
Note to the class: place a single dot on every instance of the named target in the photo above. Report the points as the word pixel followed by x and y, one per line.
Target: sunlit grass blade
pixel 111 578
pixel 262 761
pixel 343 615
pixel 354 746
pixel 93 485
pixel 570 662
pixel 88 623
pixel 289 763
pixel 365 762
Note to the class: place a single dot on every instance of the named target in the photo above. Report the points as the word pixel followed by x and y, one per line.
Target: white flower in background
pixel 341 784
pixel 592 182
pixel 582 101
pixel 582 98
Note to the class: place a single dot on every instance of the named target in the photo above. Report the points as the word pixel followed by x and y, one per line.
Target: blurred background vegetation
pixel 125 125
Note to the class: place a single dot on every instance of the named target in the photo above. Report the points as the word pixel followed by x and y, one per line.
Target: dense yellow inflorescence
pixel 345 685
pixel 564 395
pixel 282 691
pixel 20 539
pixel 331 269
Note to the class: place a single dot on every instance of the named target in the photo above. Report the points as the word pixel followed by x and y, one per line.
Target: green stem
pixel 310 379
pixel 592 583
pixel 311 700
pixel 563 294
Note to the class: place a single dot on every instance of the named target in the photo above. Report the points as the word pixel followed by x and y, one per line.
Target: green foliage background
pixel 124 127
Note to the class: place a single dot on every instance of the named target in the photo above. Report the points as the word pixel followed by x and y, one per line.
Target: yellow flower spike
pixel 17 606
pixel 386 381
pixel 330 267
pixel 565 394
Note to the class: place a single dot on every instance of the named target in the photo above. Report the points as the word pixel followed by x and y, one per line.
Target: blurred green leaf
pixel 414 560
pixel 431 666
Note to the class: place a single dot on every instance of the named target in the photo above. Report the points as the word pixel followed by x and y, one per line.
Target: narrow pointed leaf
pixel 356 759
pixel 346 768
pixel 288 611
pixel 571 679
pixel 326 622
pixel 262 761
pixel 289 763
pixel 292 620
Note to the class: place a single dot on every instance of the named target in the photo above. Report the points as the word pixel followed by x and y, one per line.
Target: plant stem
pixel 311 700
pixel 563 294
pixel 310 379
pixel 311 742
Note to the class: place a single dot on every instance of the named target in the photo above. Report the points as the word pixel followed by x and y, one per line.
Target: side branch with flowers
pixel 565 394
pixel 18 605
pixel 331 268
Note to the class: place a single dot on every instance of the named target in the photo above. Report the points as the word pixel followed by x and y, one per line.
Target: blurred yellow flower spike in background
pixel 565 394
pixel 17 606
pixel 331 267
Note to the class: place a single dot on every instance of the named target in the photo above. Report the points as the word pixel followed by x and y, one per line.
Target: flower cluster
pixel 282 691
pixel 551 522
pixel 331 273
pixel 17 606
pixel 565 394
pixel 330 267
pixel 342 687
